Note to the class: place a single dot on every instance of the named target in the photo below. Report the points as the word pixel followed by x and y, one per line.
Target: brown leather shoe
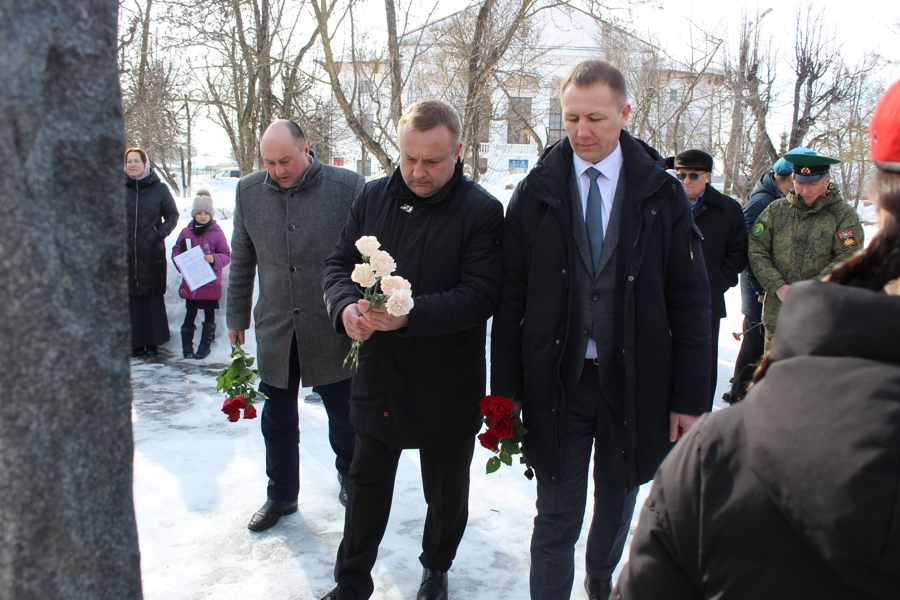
pixel 269 514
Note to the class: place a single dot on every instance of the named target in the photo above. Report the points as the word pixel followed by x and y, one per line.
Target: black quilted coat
pixel 152 216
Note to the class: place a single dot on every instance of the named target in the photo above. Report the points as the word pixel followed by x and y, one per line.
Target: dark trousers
pixel 748 358
pixel 280 423
pixel 190 316
pixel 714 360
pixel 445 481
pixel 590 423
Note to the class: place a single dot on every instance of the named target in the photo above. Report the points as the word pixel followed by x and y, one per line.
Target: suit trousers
pixel 370 490
pixel 590 422
pixel 280 424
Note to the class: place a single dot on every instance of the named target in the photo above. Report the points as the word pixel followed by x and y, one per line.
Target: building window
pixel 482 165
pixel 366 86
pixel 518 114
pixel 368 124
pixel 555 129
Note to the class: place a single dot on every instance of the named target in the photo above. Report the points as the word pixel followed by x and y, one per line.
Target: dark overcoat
pixel 152 215
pixel 793 493
pixel 420 386
pixel 724 244
pixel 662 306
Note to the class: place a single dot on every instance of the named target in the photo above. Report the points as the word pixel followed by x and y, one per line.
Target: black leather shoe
pixel 434 585
pixel 342 494
pixel 339 593
pixel 597 590
pixel 152 350
pixel 139 351
pixel 269 514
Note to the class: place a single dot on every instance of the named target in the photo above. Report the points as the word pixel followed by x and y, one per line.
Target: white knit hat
pixel 203 202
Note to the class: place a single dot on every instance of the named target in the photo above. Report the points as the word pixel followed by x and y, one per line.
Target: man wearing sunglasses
pixel 724 239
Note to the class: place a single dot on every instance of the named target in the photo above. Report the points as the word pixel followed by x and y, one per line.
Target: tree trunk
pixel 67 525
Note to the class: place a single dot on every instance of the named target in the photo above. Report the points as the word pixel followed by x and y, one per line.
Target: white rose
pixel 393 283
pixel 368 245
pixel 363 275
pixel 400 303
pixel 382 263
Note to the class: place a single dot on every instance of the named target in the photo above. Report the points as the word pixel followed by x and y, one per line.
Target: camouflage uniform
pixel 791 241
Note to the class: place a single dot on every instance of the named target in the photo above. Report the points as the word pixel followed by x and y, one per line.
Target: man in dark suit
pixel 724 240
pixel 602 332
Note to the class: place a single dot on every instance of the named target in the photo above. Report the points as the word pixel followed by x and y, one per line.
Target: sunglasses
pixel 691 176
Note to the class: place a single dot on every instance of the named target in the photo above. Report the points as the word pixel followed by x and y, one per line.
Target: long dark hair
pixel 879 263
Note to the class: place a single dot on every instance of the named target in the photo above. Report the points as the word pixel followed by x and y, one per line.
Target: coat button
pixel 293 269
pixel 653 212
pixel 385 413
pixel 564 271
pixel 296 311
pixel 595 297
pixel 557 342
pixel 631 278
pixel 292 227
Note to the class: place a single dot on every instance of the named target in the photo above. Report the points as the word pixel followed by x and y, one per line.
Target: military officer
pixel 803 235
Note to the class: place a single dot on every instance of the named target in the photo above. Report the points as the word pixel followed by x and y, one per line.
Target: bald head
pixel 285 153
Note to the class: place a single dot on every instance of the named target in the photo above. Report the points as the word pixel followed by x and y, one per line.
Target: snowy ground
pixel 198 478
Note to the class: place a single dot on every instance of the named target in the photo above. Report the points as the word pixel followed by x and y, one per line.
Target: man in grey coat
pixel 286 220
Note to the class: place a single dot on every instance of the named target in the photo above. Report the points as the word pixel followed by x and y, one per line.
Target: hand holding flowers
pixel 395 294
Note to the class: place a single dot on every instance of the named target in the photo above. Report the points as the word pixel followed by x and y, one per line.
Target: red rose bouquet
pixel 504 431
pixel 237 382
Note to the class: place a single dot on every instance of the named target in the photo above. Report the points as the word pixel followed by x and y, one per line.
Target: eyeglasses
pixel 691 176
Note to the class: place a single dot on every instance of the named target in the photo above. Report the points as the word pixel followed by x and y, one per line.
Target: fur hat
pixel 203 203
pixel 696 160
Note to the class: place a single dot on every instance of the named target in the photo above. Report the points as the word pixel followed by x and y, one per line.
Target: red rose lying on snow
pixel 504 431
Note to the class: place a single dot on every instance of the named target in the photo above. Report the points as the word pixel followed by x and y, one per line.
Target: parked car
pixel 226 173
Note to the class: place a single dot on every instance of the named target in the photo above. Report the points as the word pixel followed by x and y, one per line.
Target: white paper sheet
pixel 196 271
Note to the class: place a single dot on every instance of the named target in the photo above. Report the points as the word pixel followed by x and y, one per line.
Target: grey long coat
pixel 286 235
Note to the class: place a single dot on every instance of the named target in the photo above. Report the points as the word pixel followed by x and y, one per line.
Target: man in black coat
pixel 724 241
pixel 602 332
pixel 769 188
pixel 422 375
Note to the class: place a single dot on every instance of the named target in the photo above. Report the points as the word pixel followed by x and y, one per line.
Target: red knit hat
pixel 884 131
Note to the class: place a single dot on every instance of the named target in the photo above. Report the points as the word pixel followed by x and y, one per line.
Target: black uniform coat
pixel 721 221
pixel 794 492
pixel 662 303
pixel 420 386
pixel 763 194
pixel 152 215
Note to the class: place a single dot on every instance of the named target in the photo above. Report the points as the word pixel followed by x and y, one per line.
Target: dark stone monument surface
pixel 67 527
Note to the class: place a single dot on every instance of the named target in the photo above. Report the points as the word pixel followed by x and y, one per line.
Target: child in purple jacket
pixel 202 231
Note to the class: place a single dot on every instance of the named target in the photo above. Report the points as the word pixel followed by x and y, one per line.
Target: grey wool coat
pixel 286 235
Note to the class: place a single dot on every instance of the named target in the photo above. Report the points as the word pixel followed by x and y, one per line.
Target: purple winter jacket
pixel 213 242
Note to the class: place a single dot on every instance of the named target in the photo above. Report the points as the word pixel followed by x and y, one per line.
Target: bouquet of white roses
pixel 378 286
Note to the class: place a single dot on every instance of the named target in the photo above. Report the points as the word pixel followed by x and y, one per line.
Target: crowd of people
pixel 605 279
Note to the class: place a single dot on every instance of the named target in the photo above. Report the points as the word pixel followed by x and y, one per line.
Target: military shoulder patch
pixel 848 238
pixel 758 229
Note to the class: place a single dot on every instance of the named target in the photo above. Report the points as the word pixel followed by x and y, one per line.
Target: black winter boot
pixel 187 340
pixel 206 340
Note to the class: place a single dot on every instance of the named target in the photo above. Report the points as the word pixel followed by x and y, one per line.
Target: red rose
pixel 489 440
pixel 500 406
pixel 233 417
pixel 495 406
pixel 238 402
pixel 230 409
pixel 502 427
pixel 250 412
